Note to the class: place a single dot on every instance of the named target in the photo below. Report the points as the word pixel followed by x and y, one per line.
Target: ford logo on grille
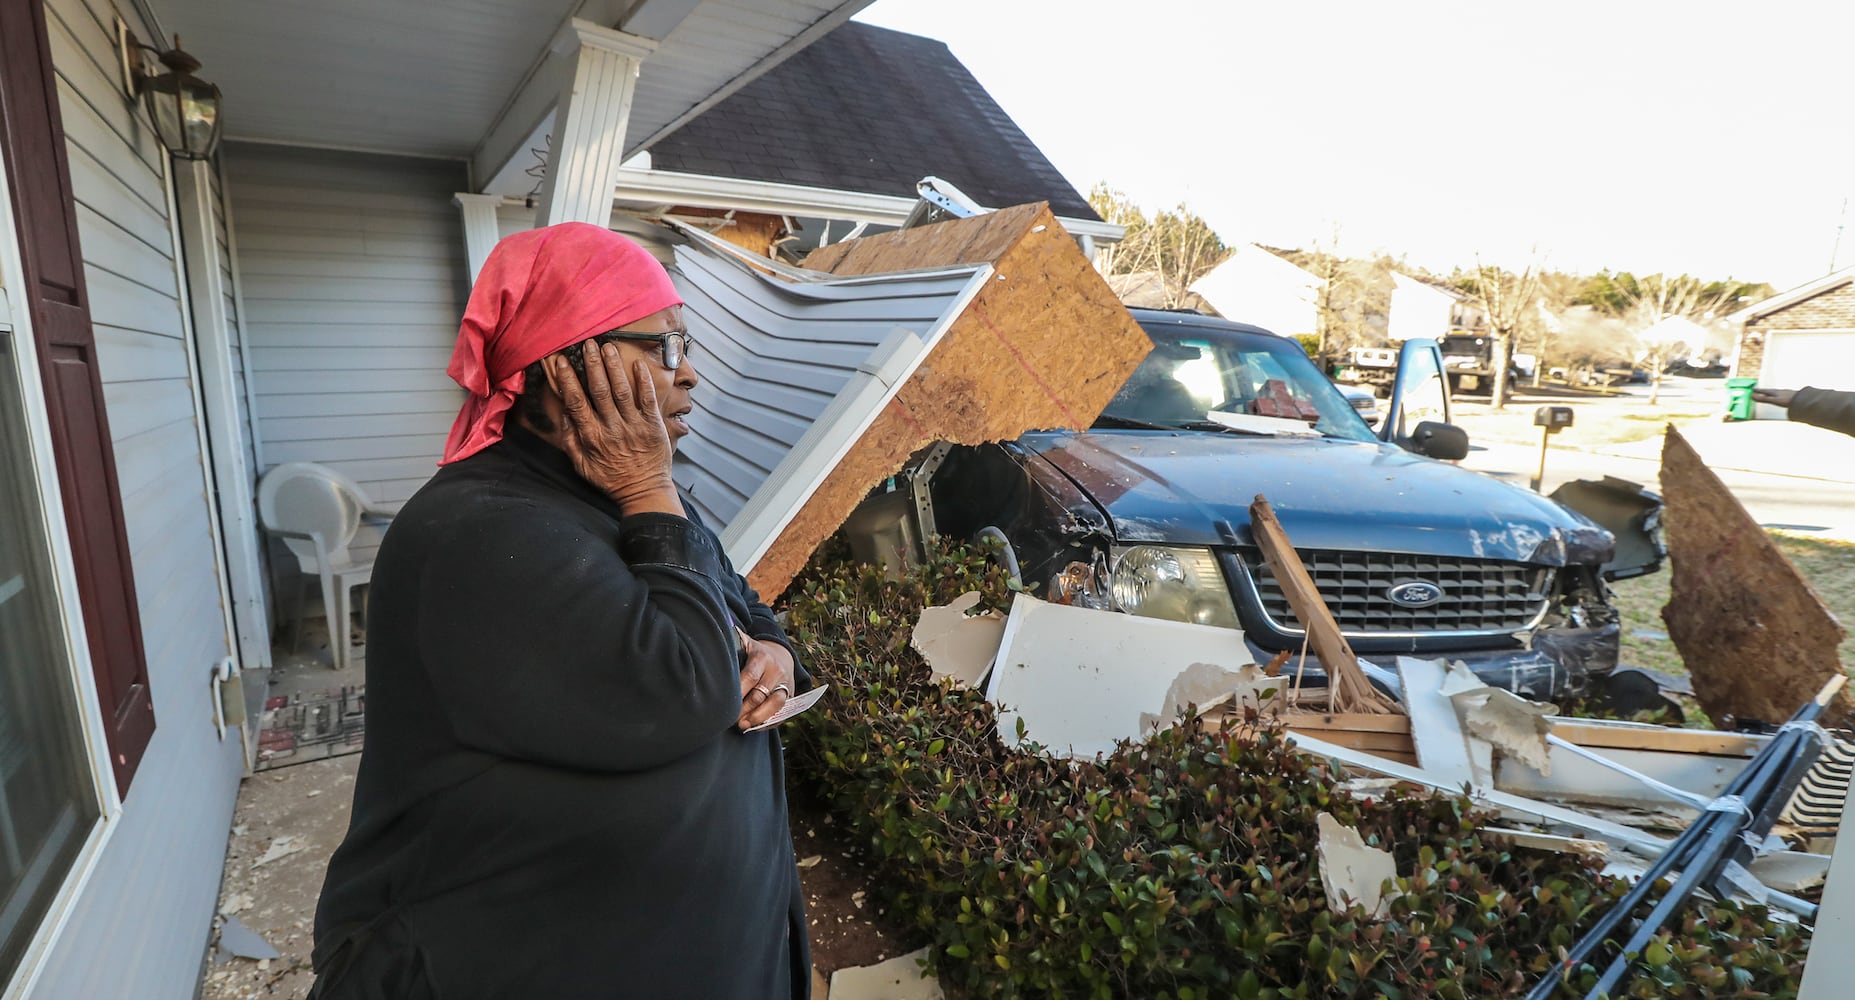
pixel 1414 593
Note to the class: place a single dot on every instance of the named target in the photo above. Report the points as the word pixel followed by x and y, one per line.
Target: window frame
pixel 16 318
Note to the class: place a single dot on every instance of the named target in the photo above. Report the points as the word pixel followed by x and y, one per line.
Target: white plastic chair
pixel 317 511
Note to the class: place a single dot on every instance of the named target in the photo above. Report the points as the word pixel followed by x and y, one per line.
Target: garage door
pixel 1795 359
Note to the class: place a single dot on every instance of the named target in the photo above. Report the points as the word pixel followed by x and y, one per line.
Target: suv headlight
pixel 1179 584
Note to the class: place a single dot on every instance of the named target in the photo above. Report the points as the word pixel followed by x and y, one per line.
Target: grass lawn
pixel 1828 565
pixel 1598 423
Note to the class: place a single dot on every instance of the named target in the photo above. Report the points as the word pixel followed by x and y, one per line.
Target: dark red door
pixel 32 141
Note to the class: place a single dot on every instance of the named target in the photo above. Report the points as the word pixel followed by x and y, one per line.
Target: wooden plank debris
pixel 1755 636
pixel 1637 736
pixel 1349 689
pixel 1045 344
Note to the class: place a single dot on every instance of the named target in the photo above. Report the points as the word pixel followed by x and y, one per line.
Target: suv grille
pixel 1479 595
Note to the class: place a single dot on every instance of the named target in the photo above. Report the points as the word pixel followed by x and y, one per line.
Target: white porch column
pixel 231 476
pixel 480 229
pixel 587 143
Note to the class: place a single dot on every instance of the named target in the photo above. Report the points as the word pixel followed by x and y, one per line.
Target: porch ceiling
pixel 431 77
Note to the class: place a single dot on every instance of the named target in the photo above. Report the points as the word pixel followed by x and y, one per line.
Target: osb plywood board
pixel 1756 638
pixel 978 240
pixel 1044 345
pixel 751 231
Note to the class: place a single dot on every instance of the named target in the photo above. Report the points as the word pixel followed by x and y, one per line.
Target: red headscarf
pixel 540 291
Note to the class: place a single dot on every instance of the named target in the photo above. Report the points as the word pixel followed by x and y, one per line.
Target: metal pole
pixel 1545 438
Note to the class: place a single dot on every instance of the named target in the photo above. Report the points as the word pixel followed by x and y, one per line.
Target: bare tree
pixel 1507 301
pixel 1176 247
pixel 1647 302
pixel 1116 208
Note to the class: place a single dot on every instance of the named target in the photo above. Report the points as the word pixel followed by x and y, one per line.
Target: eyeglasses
pixel 675 346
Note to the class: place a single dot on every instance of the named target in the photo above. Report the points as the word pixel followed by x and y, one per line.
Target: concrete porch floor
pixel 287 823
pixel 290 819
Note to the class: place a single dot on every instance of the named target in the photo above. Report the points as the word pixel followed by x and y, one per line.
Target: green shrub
pixel 1183 867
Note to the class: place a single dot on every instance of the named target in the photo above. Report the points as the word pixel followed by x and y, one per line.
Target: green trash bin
pixel 1739 398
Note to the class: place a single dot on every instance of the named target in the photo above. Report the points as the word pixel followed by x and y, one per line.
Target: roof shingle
pixel 871 110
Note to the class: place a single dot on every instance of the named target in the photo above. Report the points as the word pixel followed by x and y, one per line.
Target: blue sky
pixel 1717 139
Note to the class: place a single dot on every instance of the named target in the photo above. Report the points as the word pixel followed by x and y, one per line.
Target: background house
pixel 1255 286
pixel 1804 336
pixel 171 328
pixel 1421 308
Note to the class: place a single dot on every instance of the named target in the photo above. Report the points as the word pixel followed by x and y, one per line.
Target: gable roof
pixel 872 110
pixel 1809 290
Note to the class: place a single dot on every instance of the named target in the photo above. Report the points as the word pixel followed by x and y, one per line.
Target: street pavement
pixel 1790 476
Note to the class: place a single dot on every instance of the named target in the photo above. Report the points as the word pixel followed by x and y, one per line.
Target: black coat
pixel 553 800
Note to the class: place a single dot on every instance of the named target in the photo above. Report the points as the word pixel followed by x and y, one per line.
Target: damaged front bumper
pixel 1559 663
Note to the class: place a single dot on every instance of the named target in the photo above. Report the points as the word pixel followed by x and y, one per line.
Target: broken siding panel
pixel 772 356
pixel 150 900
pixel 512 219
pixel 352 271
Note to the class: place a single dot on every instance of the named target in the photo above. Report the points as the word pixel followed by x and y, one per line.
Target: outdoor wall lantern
pixel 185 108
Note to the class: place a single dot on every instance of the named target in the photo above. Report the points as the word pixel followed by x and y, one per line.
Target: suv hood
pixel 1176 487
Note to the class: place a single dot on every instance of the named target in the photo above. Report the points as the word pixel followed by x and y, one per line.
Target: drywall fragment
pixel 899 978
pixel 282 847
pixel 241 941
pixel 1254 687
pixel 1079 680
pixel 1515 726
pixel 1204 685
pixel 1435 728
pixel 1500 719
pixel 1754 635
pixel 1352 872
pixel 1790 871
pixel 957 644
pixel 1553 842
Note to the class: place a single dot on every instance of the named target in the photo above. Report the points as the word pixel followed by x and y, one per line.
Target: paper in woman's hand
pixel 793 707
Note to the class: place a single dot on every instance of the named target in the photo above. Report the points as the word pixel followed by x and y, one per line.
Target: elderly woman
pixel 558 797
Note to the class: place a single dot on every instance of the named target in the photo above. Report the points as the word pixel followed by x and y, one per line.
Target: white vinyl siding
pixel 234 325
pixel 352 274
pixel 149 903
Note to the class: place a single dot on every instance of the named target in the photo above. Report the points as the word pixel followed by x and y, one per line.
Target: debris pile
pixel 1191 855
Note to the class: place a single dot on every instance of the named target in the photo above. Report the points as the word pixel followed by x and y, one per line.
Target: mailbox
pixel 1552 418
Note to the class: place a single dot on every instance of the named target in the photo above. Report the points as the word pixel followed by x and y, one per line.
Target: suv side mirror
pixel 1438 440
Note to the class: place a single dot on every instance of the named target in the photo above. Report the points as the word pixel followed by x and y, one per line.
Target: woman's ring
pixel 781 688
pixel 764 693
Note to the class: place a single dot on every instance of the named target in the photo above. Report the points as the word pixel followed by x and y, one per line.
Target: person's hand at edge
pixel 1774 397
pixel 616 439
pixel 766 681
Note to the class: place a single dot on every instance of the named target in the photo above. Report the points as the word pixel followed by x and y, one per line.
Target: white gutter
pixel 658 187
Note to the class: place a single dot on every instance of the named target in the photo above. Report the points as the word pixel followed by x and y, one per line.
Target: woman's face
pixel 673 387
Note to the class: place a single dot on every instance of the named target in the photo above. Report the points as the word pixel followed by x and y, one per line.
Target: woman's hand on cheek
pixel 616 438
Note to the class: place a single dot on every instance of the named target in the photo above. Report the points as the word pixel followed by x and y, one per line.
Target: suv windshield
pixel 1247 381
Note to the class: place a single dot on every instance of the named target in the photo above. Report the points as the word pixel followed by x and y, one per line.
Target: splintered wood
pixel 752 231
pixel 1349 690
pixel 1756 638
pixel 1044 345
